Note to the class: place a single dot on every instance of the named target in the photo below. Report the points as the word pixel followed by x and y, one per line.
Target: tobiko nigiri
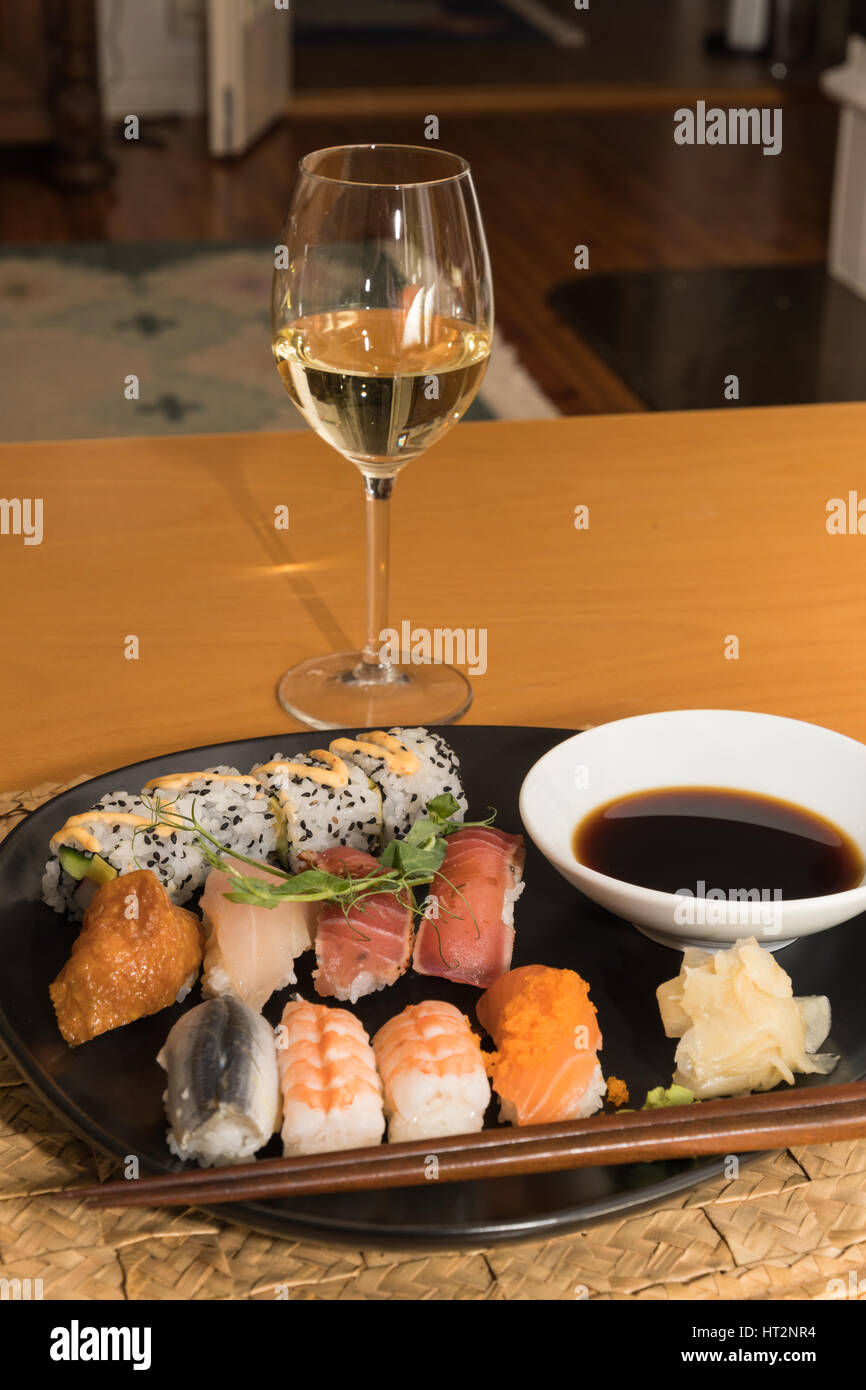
pixel 332 1095
pixel 544 1025
pixel 467 932
pixel 362 948
pixel 433 1072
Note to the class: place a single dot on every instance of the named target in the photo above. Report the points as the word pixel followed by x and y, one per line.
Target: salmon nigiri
pixel 332 1095
pixel 367 946
pixel 432 1068
pixel 546 1033
pixel 467 933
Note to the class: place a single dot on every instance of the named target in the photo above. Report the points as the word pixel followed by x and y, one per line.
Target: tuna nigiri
pixel 251 951
pixel 433 1072
pixel 547 1036
pixel 332 1095
pixel 467 932
pixel 367 946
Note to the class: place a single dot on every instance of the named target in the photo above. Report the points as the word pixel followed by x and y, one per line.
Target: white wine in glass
pixel 382 326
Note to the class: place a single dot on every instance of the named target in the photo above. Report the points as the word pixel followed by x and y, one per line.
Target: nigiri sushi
pixel 467 932
pixel 739 1026
pixel 136 954
pixel 332 1095
pixel 433 1072
pixel 251 950
pixel 364 947
pixel 222 1097
pixel 547 1038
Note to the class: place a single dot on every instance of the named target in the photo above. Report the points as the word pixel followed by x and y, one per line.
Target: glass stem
pixel 377 493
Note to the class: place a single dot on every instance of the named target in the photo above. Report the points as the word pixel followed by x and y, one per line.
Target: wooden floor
pixel 613 180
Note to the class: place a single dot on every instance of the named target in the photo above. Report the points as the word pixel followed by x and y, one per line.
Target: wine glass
pixel 382 319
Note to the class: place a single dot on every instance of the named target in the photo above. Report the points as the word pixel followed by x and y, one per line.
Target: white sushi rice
pixel 318 817
pixel 404 797
pixel 239 814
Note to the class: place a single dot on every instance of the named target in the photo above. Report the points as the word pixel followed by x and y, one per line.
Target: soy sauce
pixel 711 838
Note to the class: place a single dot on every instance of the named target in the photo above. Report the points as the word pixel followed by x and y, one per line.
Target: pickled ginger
pixel 740 1028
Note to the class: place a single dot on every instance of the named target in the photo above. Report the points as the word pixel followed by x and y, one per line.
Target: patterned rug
pixel 190 322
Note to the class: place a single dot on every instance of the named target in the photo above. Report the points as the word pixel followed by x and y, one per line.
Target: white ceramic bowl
pixel 817 769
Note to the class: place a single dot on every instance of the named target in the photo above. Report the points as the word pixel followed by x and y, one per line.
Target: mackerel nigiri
pixel 332 1095
pixel 467 932
pixel 547 1037
pixel 222 1097
pixel 367 946
pixel 432 1068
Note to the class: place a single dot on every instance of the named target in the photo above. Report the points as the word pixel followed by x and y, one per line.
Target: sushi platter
pixel 365 978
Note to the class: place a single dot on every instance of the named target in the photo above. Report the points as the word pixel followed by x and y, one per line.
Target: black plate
pixel 110 1089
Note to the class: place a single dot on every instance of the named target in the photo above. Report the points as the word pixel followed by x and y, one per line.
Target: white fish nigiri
pixel 251 951
pixel 222 1097
pixel 739 1025
pixel 432 1068
pixel 332 1095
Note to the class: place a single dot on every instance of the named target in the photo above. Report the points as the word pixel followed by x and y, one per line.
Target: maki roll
pixel 410 767
pixel 235 809
pixel 117 836
pixel 223 1097
pixel 325 801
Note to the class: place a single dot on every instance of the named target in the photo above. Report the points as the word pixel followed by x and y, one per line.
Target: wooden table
pixel 702 526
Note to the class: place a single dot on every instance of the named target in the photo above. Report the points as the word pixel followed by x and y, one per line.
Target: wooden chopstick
pixel 743 1124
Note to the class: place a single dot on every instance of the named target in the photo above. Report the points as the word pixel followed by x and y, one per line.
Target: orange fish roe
pixel 535 1020
pixel 617 1091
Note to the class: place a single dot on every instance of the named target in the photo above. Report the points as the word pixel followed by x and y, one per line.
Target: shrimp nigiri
pixel 332 1095
pixel 547 1037
pixel 433 1072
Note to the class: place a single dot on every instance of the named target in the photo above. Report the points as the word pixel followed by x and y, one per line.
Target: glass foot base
pixel 340 692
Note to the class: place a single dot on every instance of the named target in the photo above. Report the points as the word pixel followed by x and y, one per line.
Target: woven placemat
pixel 790 1226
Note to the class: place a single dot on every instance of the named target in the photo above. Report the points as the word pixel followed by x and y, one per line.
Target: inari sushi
pixel 137 953
pixel 467 931
pixel 547 1038
pixel 433 1072
pixel 251 950
pixel 332 1095
pixel 222 1096
pixel 325 801
pixel 364 947
pixel 410 767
